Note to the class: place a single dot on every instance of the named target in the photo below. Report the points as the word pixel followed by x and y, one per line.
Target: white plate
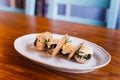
pixel 24 45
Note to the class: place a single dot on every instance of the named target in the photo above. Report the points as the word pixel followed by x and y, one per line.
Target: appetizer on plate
pixel 83 54
pixel 42 40
pixel 59 45
pixel 51 44
pixel 80 54
pixel 75 49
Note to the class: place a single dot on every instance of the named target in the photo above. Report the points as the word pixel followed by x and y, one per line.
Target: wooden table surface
pixel 14 66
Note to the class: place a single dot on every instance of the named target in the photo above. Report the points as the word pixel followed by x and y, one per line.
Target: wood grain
pixel 14 66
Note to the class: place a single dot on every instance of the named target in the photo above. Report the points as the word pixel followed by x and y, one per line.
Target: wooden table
pixel 14 66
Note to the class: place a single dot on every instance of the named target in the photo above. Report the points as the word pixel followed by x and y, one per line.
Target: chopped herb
pixel 78 51
pixel 68 40
pixel 46 40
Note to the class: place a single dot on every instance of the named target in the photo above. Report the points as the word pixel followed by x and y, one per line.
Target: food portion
pixel 79 53
pixel 83 54
pixel 59 45
pixel 75 49
pixel 42 40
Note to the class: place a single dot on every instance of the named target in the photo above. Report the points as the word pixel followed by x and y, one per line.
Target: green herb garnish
pixel 68 41
pixel 46 40
pixel 78 51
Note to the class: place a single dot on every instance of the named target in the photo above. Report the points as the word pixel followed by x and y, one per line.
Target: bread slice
pixel 86 50
pixel 59 45
pixel 41 39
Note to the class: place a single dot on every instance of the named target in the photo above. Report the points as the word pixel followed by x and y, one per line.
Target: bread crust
pixel 59 45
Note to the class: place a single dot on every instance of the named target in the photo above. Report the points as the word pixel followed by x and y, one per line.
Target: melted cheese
pixel 67 48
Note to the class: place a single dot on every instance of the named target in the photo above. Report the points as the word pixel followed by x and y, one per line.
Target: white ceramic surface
pixel 24 45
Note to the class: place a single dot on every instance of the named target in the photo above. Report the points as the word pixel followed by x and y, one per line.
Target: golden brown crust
pixel 40 43
pixel 59 45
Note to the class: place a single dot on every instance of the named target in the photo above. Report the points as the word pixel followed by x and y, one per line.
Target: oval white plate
pixel 24 45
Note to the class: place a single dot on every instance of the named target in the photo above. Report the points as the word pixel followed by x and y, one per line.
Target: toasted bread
pixel 59 45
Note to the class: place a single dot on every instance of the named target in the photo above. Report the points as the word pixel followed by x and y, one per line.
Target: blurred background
pixel 79 11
